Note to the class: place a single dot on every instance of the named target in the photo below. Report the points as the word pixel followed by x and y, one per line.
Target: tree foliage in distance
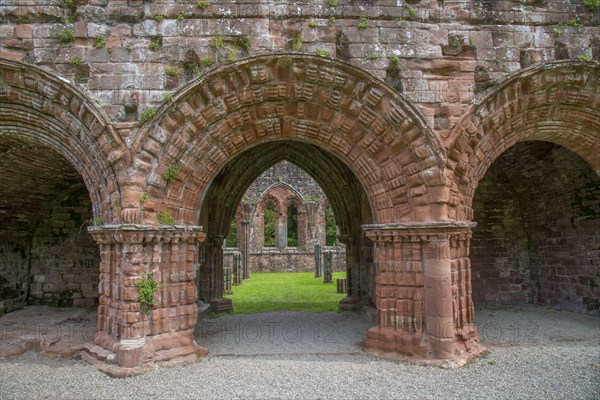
pixel 232 237
pixel 292 226
pixel 592 5
pixel 330 227
pixel 269 226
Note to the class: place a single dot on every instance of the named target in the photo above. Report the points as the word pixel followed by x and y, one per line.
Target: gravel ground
pixel 535 353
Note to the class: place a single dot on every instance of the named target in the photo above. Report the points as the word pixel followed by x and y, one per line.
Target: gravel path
pixel 535 353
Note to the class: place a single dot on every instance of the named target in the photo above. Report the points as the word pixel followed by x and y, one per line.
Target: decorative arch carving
pixel 39 107
pixel 557 102
pixel 332 105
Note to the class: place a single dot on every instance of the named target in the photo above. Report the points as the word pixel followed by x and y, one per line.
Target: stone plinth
pixel 165 332
pixel 423 293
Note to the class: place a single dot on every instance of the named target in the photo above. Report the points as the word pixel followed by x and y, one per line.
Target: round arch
pixel 41 108
pixel 557 102
pixel 311 100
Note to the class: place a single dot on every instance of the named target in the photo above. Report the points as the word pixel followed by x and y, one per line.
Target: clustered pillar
pixel 211 275
pixel 423 292
pixel 131 338
pixel 357 296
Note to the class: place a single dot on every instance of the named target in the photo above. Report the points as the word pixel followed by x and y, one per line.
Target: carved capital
pixel 138 234
pixel 446 230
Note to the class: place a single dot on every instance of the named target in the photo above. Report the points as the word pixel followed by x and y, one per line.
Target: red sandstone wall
pixel 46 254
pixel 538 230
pixel 64 257
pixel 57 263
pixel 446 51
pixel 15 250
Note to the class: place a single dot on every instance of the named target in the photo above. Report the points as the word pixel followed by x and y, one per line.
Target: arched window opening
pixel 330 227
pixel 292 226
pixel 269 225
pixel 232 237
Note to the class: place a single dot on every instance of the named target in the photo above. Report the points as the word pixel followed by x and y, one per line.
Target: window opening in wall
pixel 269 225
pixel 232 237
pixel 292 226
pixel 330 227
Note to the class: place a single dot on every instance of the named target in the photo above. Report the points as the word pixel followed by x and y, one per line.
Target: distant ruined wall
pixel 288 260
pixel 284 184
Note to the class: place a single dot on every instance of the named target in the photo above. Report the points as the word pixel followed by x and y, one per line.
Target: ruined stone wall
pixel 46 253
pixel 57 262
pixel 284 184
pixel 64 257
pixel 15 248
pixel 289 260
pixel 401 160
pixel 537 235
pixel 289 174
pixel 132 54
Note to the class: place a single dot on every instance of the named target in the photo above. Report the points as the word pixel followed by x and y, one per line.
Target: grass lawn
pixel 290 291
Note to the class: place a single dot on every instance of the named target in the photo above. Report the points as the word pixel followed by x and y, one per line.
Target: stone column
pixel 437 279
pixel 318 259
pixel 312 223
pixel 327 267
pixel 422 295
pixel 244 239
pixel 237 268
pixel 245 248
pixel 281 230
pixel 211 275
pixel 130 340
pixel 353 300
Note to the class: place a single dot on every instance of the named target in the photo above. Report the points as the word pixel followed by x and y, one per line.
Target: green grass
pixel 289 291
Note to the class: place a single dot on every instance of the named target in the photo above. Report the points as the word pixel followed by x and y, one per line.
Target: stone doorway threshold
pixel 53 332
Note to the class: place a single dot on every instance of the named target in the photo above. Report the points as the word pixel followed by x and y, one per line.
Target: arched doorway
pixel 49 256
pixel 381 157
pixel 57 180
pixel 226 191
pixel 538 217
pixel 524 159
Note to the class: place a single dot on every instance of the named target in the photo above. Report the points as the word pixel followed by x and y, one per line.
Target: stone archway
pixel 538 218
pixel 379 163
pixel 40 107
pixel 302 98
pixel 286 196
pixel 557 104
pixel 59 156
pixel 276 205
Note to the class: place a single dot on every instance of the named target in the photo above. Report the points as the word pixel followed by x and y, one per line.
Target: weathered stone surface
pixel 400 161
pixel 11 350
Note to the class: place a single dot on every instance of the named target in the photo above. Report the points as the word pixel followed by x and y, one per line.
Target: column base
pixel 415 348
pixel 131 361
pixel 221 305
pixel 117 371
pixel 137 356
pixel 350 303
